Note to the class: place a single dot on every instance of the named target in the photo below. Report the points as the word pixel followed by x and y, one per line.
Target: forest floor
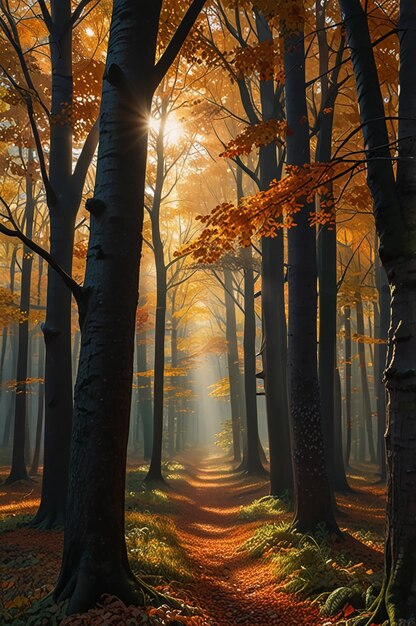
pixel 202 503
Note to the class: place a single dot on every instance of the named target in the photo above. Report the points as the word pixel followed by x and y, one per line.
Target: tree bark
pixel 95 557
pixel 253 464
pixel 18 469
pixel 348 380
pixel 233 362
pixel 313 503
pixel 41 396
pixel 155 470
pixel 367 416
pixel 145 394
pixel 63 206
pixel 273 306
pixel 394 209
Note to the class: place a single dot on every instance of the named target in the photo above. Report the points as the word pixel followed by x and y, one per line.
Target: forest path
pixel 231 588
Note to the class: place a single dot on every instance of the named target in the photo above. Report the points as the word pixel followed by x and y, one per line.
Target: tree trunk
pixel 384 309
pixel 367 417
pixel 18 469
pixel 95 558
pixel 13 350
pixel 39 422
pixel 348 379
pixel 273 307
pixel 233 361
pixel 155 470
pixel 145 394
pixel 313 503
pixel 253 463
pixel 394 209
pixel 63 204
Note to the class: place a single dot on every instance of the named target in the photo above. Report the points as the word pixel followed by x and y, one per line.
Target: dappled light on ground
pixel 187 540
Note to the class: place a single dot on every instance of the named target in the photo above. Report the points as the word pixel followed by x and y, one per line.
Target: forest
pixel 208 312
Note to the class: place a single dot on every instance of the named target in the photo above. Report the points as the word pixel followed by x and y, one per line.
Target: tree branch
pixel 175 44
pixel 76 289
pixel 84 160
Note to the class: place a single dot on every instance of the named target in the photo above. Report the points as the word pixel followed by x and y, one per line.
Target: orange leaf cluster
pixel 260 134
pixel 262 214
pixel 263 59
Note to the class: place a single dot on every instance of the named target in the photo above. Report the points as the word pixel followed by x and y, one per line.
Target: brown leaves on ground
pixel 230 587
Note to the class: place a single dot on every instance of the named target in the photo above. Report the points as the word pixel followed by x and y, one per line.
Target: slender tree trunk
pixel 63 203
pixel 384 309
pixel 145 394
pixel 233 362
pixel 12 399
pixel 155 470
pixel 367 417
pixel 313 502
pixel 348 380
pixel 253 462
pixel 13 350
pixel 273 305
pixel 18 469
pixel 39 422
pixel 172 406
pixel 75 352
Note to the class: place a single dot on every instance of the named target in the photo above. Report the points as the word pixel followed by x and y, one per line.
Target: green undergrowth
pixel 143 496
pixel 13 521
pixel 264 507
pixel 154 549
pixel 311 568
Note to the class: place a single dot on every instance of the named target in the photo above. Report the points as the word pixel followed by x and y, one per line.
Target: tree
pixel 312 491
pixel 393 196
pixel 18 469
pixel 95 558
pixel 63 187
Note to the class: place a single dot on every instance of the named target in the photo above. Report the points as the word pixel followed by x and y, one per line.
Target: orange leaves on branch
pixel 262 214
pixel 263 59
pixel 260 134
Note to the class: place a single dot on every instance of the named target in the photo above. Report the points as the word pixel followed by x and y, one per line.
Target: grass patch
pixel 263 507
pixel 142 497
pixel 13 521
pixel 311 568
pixel 154 549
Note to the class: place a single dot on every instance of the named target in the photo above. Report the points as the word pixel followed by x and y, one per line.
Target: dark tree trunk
pixel 95 557
pixel 39 421
pixel 348 380
pixel 172 406
pixel 13 350
pixel 18 469
pixel 313 502
pixel 394 209
pixel 144 394
pixel 64 199
pixel 155 470
pixel 367 416
pixel 327 265
pixel 273 306
pixel 11 406
pixel 75 352
pixel 233 361
pixel 253 463
pixel 384 323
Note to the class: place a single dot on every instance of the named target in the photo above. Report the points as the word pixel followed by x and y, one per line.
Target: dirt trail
pixel 231 588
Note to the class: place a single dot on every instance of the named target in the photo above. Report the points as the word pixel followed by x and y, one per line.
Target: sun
pixel 173 129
